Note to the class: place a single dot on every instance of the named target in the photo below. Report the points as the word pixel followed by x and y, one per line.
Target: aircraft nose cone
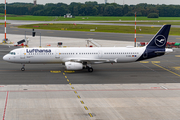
pixel 5 58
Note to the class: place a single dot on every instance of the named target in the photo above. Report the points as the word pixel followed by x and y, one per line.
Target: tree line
pixel 91 9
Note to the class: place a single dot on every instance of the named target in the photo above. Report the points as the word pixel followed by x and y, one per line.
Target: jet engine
pixel 73 66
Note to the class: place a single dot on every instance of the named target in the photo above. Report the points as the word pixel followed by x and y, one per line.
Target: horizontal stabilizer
pixel 157 52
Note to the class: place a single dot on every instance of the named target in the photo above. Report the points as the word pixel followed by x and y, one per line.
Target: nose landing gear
pixel 23 68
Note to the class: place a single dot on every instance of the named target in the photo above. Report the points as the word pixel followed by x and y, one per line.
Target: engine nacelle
pixel 73 66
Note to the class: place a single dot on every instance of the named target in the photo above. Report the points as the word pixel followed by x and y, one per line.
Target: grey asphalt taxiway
pixel 137 72
pixel 130 91
pixel 146 90
pixel 11 29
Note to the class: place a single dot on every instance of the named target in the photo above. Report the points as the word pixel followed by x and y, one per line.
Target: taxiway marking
pixel 177 68
pixel 5 105
pixel 144 61
pixel 177 55
pixel 166 69
pixel 82 102
pixel 75 91
pixel 55 71
pixel 69 71
pixel 90 114
pixel 152 88
pixel 85 107
pixel 155 61
pixel 164 87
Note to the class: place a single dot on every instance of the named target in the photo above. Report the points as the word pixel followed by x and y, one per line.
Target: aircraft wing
pixel 91 60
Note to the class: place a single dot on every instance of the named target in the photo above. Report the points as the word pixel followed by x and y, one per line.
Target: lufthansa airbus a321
pixel 83 57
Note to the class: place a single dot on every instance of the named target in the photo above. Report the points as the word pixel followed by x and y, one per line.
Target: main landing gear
pixel 90 69
pixel 23 68
pixel 88 66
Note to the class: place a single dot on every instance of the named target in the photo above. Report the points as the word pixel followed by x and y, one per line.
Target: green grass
pixel 89 18
pixel 108 18
pixel 147 23
pixel 35 18
pixel 145 18
pixel 56 18
pixel 82 18
pixel 4 23
pixel 100 28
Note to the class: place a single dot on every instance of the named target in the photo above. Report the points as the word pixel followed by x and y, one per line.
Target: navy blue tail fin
pixel 160 39
pixel 156 46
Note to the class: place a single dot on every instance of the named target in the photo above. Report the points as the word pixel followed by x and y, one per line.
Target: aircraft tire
pixel 90 69
pixel 22 69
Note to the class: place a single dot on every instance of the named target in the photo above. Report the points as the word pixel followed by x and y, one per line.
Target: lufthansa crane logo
pixel 160 40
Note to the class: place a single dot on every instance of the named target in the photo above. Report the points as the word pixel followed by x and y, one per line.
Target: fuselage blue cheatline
pixel 79 58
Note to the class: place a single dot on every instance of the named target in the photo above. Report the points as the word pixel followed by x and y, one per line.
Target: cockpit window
pixel 12 53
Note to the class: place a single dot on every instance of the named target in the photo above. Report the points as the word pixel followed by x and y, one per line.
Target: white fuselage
pixel 62 55
pixel 79 58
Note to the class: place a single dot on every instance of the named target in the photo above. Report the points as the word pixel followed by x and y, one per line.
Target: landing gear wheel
pixel 22 69
pixel 90 69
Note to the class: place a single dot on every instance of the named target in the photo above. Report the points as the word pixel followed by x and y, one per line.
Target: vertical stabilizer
pixel 160 39
pixel 157 45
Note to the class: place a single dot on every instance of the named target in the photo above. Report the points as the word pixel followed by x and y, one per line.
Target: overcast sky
pixel 177 2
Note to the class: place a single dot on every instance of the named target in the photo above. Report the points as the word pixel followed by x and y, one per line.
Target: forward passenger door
pixel 22 54
pixel 57 54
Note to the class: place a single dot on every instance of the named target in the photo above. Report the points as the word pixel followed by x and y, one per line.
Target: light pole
pixel 135 32
pixel 5 19
pixel 5 39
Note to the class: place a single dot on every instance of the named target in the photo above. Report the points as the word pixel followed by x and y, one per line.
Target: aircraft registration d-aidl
pixel 81 58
